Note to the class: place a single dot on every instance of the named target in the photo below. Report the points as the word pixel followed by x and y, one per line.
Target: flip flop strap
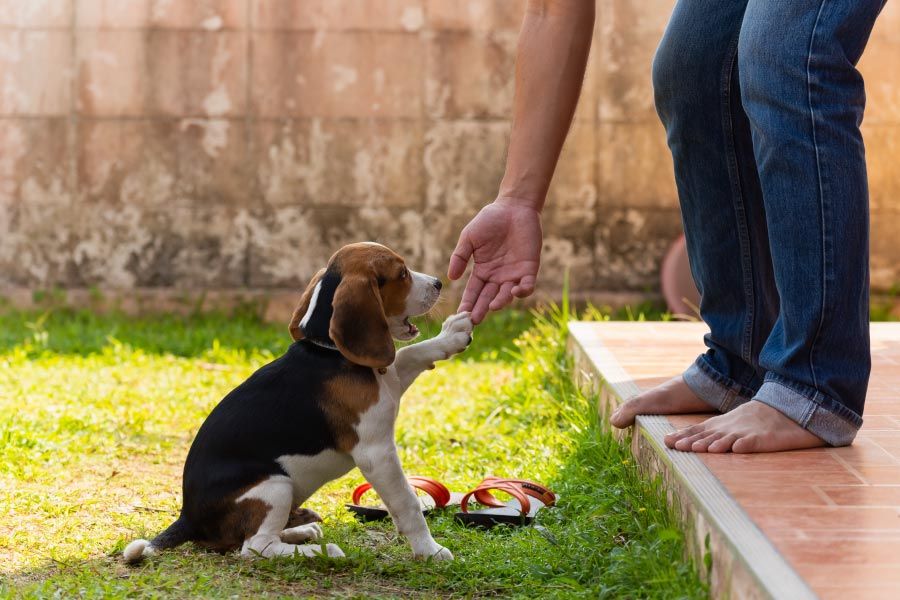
pixel 434 488
pixel 515 492
pixel 533 489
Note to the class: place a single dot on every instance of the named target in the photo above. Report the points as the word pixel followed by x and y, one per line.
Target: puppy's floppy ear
pixel 359 327
pixel 303 307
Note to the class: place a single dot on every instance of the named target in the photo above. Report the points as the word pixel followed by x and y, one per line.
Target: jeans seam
pixel 739 203
pixel 812 118
pixel 814 399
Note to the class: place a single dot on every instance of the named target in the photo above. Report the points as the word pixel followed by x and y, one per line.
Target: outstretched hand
pixel 504 241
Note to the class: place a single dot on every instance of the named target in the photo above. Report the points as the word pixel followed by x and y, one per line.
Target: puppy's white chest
pixel 309 473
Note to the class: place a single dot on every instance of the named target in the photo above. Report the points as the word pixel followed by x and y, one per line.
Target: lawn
pixel 97 413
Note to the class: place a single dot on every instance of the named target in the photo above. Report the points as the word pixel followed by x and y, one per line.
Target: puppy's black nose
pixel 438 284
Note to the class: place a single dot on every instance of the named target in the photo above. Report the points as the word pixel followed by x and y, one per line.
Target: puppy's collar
pixel 327 344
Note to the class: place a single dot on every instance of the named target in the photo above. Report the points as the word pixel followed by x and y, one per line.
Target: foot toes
pixel 702 445
pixel 685 443
pixel 743 445
pixel 623 416
pixel 723 444
pixel 673 438
pixel 334 551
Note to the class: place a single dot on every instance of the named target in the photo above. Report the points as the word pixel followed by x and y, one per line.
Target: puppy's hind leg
pixel 276 494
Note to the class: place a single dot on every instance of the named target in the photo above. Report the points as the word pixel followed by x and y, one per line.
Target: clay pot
pixel 677 283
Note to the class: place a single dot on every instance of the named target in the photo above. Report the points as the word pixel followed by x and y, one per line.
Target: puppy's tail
pixel 175 534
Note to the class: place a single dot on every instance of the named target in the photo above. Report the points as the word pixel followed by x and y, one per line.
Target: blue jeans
pixel 762 104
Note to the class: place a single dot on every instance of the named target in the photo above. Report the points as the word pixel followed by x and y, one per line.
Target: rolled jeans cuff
pixel 824 417
pixel 717 390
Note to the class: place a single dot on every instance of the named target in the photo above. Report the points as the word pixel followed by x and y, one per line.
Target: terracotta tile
pixel 827 536
pixel 892 448
pixel 859 577
pixel 776 495
pixel 885 422
pixel 338 15
pixel 828 511
pixel 764 478
pixel 850 552
pixel 863 495
pixel 834 518
pixel 818 460
pixel 880 475
pixel 35 14
pixel 862 590
pixel 337 75
pixel 26 58
pixel 198 73
pixel 864 452
pixel 112 75
pixel 470 76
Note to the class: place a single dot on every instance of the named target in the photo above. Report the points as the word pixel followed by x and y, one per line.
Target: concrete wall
pixel 234 144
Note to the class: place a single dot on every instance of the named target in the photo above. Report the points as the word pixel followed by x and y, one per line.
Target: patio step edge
pixel 745 564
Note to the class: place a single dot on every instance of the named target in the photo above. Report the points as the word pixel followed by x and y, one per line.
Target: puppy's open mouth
pixel 410 328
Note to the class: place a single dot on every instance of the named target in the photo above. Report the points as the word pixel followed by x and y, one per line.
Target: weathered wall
pixel 218 144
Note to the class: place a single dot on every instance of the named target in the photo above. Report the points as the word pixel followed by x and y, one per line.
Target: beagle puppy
pixel 328 404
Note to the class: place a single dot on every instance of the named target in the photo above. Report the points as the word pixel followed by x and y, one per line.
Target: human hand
pixel 504 240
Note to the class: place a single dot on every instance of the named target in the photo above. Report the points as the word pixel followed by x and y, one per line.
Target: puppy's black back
pixel 280 410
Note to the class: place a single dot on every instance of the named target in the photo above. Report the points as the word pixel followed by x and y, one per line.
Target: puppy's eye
pixel 404 274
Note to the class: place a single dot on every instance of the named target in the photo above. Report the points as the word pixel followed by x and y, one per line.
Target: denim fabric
pixel 762 103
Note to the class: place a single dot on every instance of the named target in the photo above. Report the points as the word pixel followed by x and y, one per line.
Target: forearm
pixel 552 56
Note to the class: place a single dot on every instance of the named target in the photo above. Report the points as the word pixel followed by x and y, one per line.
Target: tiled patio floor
pixel 833 513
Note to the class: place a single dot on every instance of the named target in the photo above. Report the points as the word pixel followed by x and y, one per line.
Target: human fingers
pixel 471 293
pixel 484 300
pixel 525 287
pixel 459 260
pixel 504 296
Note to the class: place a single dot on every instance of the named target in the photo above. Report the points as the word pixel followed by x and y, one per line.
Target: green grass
pixel 97 413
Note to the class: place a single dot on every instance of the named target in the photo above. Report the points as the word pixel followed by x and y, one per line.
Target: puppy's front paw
pixel 457 333
pixel 438 553
pixel 302 533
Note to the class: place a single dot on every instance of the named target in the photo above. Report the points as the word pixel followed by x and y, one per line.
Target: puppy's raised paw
pixel 457 333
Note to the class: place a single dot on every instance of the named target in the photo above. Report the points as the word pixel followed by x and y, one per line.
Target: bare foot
pixel 751 427
pixel 674 397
